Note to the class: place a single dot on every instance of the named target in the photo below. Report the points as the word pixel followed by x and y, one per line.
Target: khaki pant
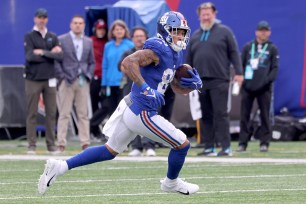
pixel 77 95
pixel 33 89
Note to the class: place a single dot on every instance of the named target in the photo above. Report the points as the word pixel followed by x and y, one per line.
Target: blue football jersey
pixel 158 76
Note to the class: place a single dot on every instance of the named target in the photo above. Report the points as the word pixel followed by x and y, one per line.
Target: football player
pixel 152 69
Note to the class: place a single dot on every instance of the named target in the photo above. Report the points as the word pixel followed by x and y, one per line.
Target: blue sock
pixel 89 156
pixel 176 161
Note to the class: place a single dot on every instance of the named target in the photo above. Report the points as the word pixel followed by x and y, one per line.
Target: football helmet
pixel 168 26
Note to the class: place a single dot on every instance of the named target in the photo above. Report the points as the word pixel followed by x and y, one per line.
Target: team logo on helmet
pixel 163 19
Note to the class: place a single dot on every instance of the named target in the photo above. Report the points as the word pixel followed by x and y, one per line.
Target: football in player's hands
pixel 182 71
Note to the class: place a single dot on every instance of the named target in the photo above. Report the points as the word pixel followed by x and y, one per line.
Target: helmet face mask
pixel 180 44
pixel 168 27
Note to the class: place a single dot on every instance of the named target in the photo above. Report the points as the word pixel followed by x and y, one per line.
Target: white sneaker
pixel 135 153
pixel 178 186
pixel 31 152
pixel 56 152
pixel 51 171
pixel 150 153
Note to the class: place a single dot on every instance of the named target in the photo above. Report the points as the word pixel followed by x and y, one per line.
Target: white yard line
pixel 143 194
pixel 190 165
pixel 157 179
pixel 188 159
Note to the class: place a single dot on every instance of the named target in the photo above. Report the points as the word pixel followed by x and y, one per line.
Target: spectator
pixel 212 49
pixel 74 74
pixel 118 43
pixel 99 40
pixel 260 63
pixel 139 36
pixel 118 35
pixel 41 49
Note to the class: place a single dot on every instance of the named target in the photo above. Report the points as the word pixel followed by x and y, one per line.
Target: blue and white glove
pixel 155 99
pixel 194 82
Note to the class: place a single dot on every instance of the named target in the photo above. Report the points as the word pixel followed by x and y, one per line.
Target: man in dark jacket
pixel 260 63
pixel 41 49
pixel 212 49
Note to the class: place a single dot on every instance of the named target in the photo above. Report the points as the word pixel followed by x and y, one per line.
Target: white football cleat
pixel 51 171
pixel 179 186
pixel 135 153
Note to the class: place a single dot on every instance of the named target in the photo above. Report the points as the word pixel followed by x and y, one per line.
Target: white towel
pixel 195 105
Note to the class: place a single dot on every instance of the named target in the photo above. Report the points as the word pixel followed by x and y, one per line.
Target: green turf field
pixel 138 182
pixel 276 150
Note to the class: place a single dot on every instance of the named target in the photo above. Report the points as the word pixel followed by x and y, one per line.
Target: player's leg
pixel 172 183
pixel 54 168
pixel 116 144
pixel 159 129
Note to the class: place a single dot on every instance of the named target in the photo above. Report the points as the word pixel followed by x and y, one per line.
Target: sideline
pixel 149 159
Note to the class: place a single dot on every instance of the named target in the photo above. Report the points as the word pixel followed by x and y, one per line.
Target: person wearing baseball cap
pixel 99 25
pixel 99 40
pixel 41 13
pixel 42 48
pixel 260 64
pixel 263 25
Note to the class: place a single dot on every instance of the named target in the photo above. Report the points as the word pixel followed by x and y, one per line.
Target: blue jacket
pixel 112 53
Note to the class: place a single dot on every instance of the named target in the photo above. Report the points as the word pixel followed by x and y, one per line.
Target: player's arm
pixel 132 63
pixel 131 67
pixel 177 88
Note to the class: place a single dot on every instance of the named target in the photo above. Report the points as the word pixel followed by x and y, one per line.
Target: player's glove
pixel 155 99
pixel 194 82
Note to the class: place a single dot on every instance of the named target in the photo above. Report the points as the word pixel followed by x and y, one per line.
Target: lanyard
pixel 261 53
pixel 205 35
pixel 81 78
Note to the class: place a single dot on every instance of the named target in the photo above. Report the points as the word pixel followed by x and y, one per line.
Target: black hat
pixel 263 25
pixel 41 12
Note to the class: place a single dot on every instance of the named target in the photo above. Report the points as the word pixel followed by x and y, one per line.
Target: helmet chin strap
pixel 179 46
